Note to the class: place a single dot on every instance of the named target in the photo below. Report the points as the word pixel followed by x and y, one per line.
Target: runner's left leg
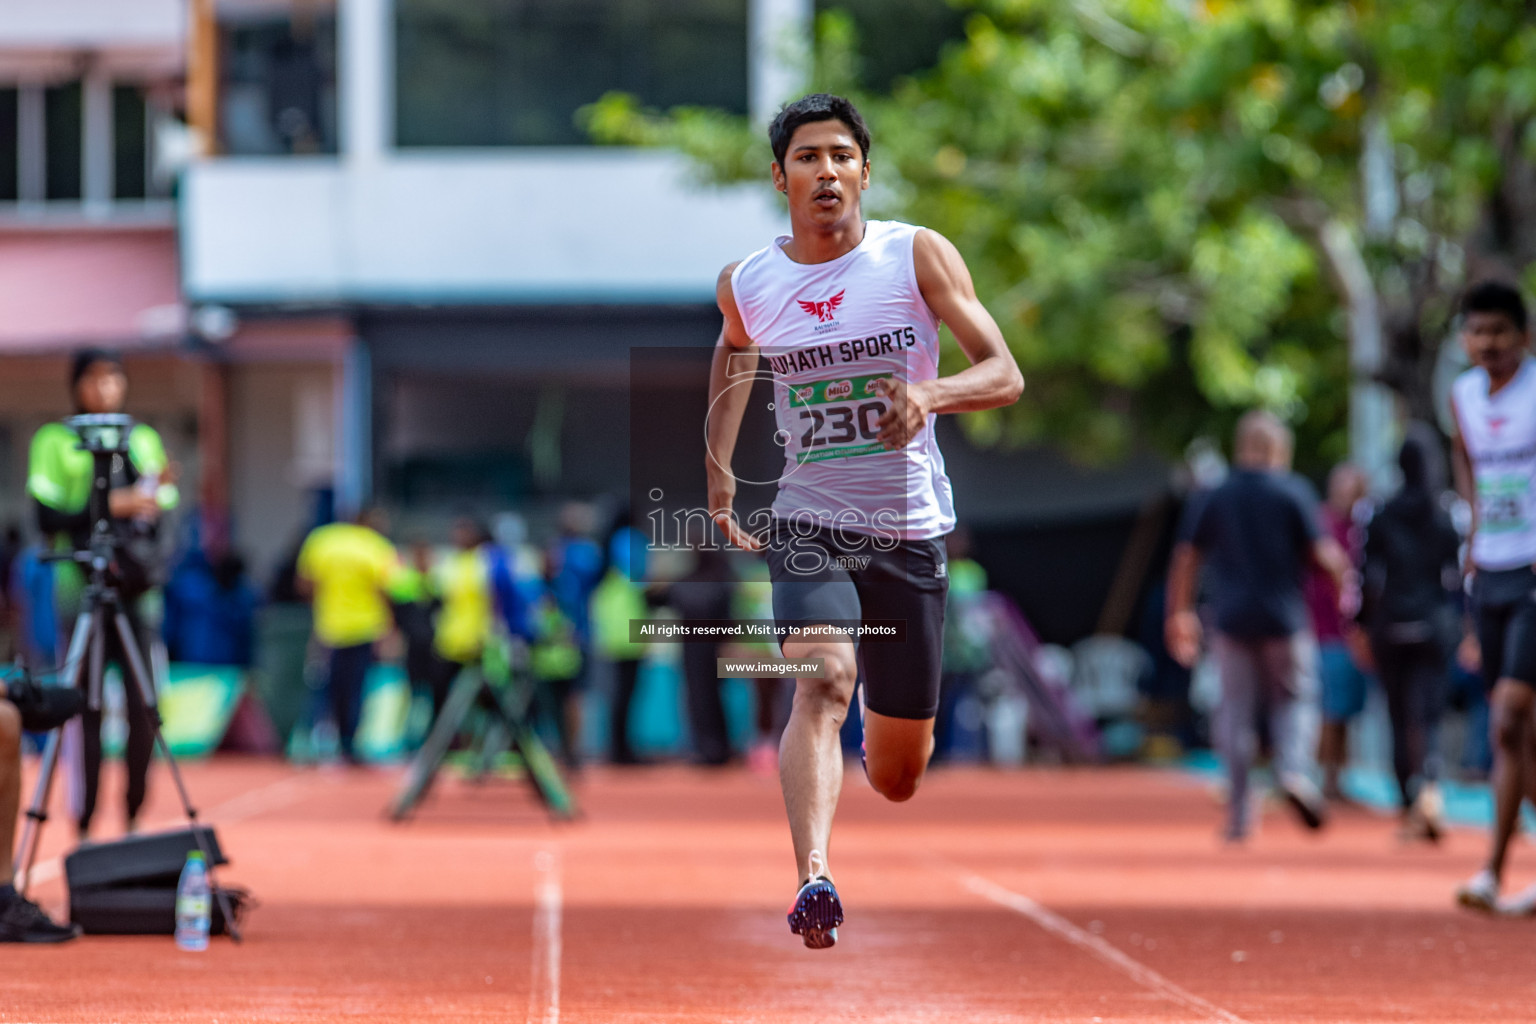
pixel 896 753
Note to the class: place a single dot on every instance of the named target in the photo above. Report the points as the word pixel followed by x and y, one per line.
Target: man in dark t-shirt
pixel 1258 533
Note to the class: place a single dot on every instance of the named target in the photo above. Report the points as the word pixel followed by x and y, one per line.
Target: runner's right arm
pixel 1461 473
pixel 735 359
pixel 1181 628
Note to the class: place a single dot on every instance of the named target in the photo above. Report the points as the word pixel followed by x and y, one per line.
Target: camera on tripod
pixel 105 436
pixel 103 433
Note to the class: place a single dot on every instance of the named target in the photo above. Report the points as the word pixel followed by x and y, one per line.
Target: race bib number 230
pixel 837 419
pixel 1501 503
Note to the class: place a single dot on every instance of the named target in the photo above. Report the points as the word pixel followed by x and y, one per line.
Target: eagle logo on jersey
pixel 823 310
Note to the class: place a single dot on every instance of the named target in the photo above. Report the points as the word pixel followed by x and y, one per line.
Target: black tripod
pixel 508 728
pixel 101 609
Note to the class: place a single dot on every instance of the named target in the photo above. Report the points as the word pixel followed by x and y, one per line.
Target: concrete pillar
pixel 213 454
pixel 367 77
pixel 354 431
pixel 779 54
pixel 97 142
pixel 203 76
pixel 32 140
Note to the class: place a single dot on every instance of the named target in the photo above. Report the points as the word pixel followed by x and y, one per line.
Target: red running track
pixel 1029 896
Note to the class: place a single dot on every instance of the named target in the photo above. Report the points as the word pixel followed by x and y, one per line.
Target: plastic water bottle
pixel 194 904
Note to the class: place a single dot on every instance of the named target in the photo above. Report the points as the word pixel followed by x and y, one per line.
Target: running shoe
pixel 1480 892
pixel 1306 800
pixel 1523 904
pixel 1421 823
pixel 21 920
pixel 816 911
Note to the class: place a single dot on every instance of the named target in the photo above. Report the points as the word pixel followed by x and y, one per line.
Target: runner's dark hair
pixel 818 106
pixel 1496 297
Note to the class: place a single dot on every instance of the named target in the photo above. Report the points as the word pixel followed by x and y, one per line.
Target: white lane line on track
pixel 1062 928
pixel 544 989
pixel 244 805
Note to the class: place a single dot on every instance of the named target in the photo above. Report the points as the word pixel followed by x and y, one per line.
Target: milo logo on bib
pixel 839 418
pixel 1501 499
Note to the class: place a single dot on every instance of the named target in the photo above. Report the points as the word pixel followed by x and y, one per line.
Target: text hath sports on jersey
pixel 818 357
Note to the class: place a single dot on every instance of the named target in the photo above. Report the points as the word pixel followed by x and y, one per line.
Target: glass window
pixel 62 114
pixel 898 37
pixel 514 72
pixel 278 88
pixel 130 142
pixel 10 145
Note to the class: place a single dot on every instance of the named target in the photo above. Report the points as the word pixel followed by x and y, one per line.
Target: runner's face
pixel 823 173
pixel 102 388
pixel 1494 342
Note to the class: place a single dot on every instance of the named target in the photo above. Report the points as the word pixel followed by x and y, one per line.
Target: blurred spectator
pixel 1411 572
pixel 10 550
pixel 1342 656
pixel 617 600
pixel 286 587
pixel 754 602
pixel 517 572
pixel 1469 695
pixel 1259 534
pixel 555 658
pixel 967 637
pixel 37 622
pixel 578 566
pixel 462 582
pixel 210 611
pixel 414 605
pixel 348 568
pixel 706 592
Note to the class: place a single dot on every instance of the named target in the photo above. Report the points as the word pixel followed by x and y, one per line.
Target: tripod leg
pixel 543 774
pixel 37 816
pixel 138 668
pixel 424 766
pixel 492 744
pixel 80 643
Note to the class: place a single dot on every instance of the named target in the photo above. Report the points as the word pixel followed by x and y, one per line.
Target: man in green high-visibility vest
pixel 142 489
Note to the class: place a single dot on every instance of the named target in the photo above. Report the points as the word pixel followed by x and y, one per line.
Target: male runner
pixel 847 313
pixel 1494 456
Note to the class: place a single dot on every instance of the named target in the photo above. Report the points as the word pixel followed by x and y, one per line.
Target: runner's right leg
pixel 810 752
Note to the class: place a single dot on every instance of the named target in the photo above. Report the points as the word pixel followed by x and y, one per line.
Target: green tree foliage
pixel 1179 210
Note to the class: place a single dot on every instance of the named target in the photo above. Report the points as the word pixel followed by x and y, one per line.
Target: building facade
pixel 89 94
pixel 404 215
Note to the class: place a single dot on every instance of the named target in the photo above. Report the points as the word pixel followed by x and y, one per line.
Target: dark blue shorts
pixel 1343 684
pixel 826 575
pixel 1506 623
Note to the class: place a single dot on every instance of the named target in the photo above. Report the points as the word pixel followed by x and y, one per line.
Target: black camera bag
pixel 128 886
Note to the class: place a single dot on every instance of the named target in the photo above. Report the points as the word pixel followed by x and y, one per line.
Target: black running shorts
pixel 829 575
pixel 1506 623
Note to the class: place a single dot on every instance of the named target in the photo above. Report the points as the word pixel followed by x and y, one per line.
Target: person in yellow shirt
pixel 462 582
pixel 347 569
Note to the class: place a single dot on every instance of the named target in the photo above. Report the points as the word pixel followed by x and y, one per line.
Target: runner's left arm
pixel 993 378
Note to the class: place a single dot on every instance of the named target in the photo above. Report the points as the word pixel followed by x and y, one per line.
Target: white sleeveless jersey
pixel 1499 432
pixel 828 331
